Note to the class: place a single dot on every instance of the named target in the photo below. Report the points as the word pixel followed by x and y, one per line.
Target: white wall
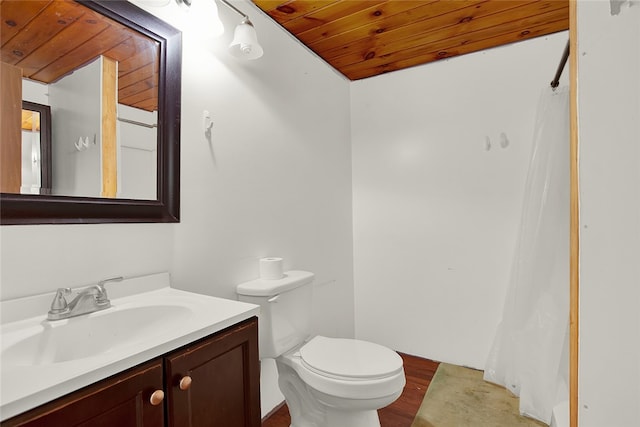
pixel 274 178
pixel 76 112
pixel 137 153
pixel 35 92
pixel 39 259
pixel 31 178
pixel 435 208
pixel 609 131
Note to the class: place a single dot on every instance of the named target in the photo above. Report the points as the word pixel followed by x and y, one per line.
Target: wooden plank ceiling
pixel 49 39
pixel 365 38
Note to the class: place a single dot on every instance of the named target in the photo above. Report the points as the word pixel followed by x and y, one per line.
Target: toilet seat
pixel 346 368
pixel 349 359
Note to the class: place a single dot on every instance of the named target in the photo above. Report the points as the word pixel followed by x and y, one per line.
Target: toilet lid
pixel 339 357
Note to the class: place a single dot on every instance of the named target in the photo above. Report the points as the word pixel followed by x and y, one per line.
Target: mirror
pixel 129 158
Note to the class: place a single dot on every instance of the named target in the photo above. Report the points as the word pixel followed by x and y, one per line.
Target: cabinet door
pixel 121 401
pixel 224 374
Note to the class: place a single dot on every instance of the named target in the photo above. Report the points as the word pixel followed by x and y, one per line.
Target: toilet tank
pixel 285 310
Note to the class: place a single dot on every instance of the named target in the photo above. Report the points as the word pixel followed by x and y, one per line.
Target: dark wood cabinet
pixel 122 400
pixel 209 383
pixel 216 382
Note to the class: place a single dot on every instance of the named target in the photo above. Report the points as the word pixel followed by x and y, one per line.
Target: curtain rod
pixel 565 55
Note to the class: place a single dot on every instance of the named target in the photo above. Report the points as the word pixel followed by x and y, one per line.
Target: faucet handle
pixel 101 283
pixel 59 303
pixel 102 295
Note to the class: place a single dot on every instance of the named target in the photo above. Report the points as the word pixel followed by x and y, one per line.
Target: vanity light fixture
pixel 206 21
pixel 245 40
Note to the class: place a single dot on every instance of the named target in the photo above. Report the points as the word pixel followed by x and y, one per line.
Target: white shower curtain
pixel 530 350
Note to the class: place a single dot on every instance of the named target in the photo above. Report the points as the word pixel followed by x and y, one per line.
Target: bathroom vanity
pixel 171 358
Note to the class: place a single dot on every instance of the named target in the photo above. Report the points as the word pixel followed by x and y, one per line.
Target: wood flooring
pixel 418 372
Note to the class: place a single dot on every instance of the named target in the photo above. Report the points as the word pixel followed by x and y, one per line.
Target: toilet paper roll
pixel 271 268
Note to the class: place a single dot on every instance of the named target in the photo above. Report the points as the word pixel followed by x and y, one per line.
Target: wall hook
pixel 82 144
pixel 207 122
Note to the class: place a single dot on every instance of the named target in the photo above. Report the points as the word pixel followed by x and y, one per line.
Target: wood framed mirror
pixel 112 31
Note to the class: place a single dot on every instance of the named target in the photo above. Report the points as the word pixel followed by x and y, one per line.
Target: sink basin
pixel 41 360
pixel 94 334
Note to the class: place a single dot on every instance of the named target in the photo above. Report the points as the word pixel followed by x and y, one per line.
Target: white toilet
pixel 327 382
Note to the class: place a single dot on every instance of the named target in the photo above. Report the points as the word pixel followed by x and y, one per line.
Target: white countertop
pixel 25 384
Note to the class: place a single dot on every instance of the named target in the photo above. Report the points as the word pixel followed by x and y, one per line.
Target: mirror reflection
pixel 36 148
pixel 99 80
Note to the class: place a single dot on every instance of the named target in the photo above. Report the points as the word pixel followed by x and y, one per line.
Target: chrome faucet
pixel 87 300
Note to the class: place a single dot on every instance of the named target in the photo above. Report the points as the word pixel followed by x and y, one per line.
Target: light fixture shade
pixel 245 42
pixel 205 20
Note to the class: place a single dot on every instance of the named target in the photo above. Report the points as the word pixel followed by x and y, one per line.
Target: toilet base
pixel 337 417
pixel 311 408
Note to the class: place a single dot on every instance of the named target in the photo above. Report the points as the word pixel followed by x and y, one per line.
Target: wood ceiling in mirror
pixel 49 39
pixel 364 38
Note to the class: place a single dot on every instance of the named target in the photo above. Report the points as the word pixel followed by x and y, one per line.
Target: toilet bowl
pixel 339 382
pixel 326 382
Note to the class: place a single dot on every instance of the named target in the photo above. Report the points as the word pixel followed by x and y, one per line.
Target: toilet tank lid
pixel 267 288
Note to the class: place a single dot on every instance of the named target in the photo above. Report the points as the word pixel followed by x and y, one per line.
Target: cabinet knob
pixel 157 397
pixel 185 382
